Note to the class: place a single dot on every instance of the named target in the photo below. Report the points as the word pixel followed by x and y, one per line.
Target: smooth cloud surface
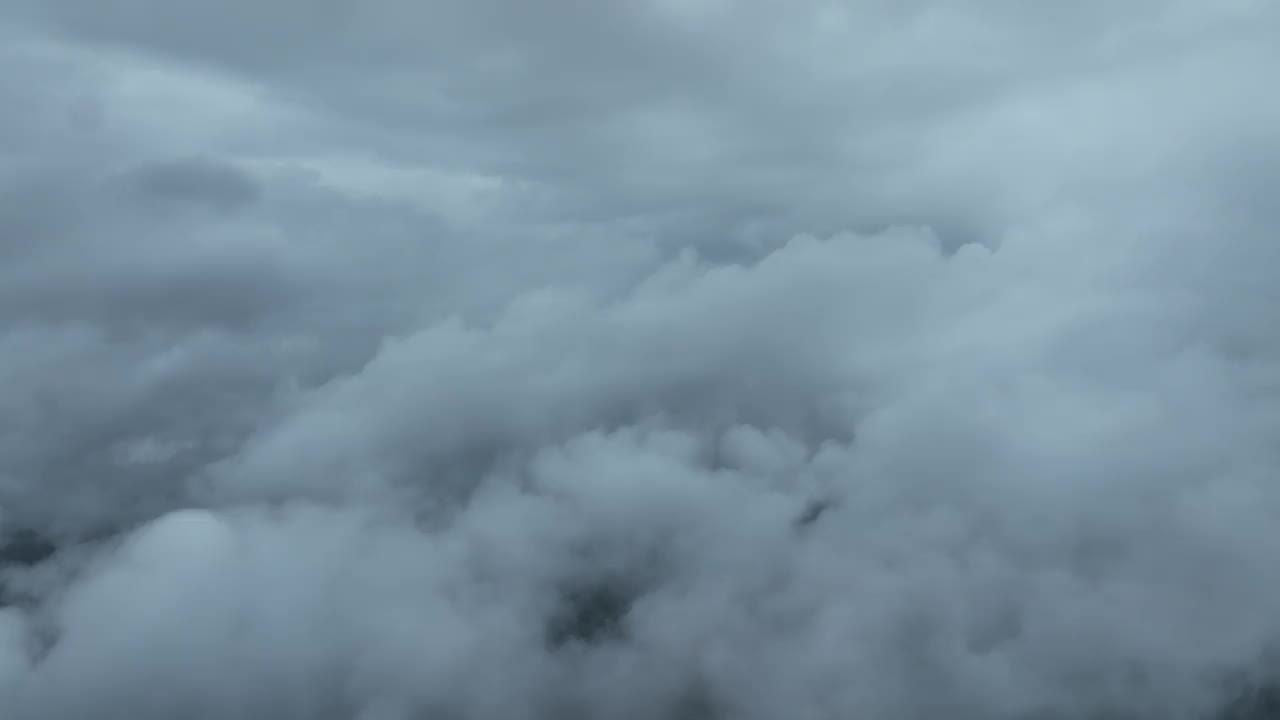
pixel 678 360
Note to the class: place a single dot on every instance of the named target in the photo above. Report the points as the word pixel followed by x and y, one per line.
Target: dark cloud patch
pixel 591 614
pixel 196 181
pixel 235 296
pixel 25 548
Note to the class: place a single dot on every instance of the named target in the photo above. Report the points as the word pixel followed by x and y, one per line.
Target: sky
pixel 674 359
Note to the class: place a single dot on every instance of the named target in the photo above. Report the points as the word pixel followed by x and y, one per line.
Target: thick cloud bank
pixel 682 360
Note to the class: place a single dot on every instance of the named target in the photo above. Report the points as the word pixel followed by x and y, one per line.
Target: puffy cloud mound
pixel 685 360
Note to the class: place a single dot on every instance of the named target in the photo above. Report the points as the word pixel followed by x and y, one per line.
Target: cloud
pixel 682 360
pixel 196 181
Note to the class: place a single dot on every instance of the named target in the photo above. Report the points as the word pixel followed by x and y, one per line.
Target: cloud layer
pixel 692 360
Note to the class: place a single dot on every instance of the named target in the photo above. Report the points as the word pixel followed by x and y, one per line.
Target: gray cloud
pixel 684 360
pixel 196 181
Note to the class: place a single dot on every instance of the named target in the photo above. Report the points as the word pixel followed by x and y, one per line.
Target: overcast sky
pixel 679 359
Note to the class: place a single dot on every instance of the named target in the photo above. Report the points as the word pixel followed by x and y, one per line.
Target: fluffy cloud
pixel 688 360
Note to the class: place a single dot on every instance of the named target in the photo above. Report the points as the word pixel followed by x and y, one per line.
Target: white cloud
pixel 466 360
